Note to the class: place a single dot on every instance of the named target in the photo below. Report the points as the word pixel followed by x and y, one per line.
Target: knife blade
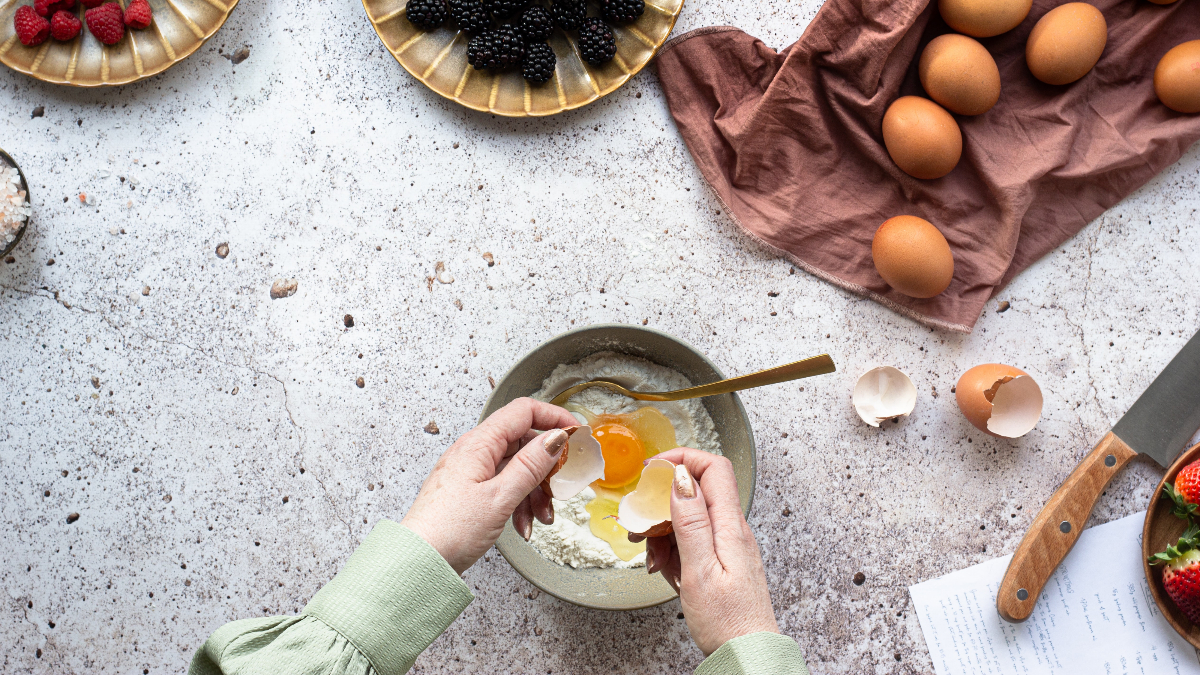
pixel 1158 425
pixel 1167 415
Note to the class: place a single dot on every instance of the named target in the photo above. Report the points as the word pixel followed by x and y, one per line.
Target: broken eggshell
pixel 580 463
pixel 883 393
pixel 999 400
pixel 647 510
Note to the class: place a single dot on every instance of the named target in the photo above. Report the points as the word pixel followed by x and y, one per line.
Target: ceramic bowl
pixel 438 59
pixel 6 160
pixel 178 29
pixel 619 589
pixel 1161 530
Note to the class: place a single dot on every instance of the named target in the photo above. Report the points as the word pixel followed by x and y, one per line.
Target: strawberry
pixel 138 14
pixel 1187 482
pixel 107 23
pixel 1181 576
pixel 32 30
pixel 64 25
pixel 1186 491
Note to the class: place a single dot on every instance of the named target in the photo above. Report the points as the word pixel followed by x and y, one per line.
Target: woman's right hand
pixel 711 558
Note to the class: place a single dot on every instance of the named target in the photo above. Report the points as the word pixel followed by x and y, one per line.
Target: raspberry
pixel 32 30
pixel 48 7
pixel 64 25
pixel 91 4
pixel 107 23
pixel 138 14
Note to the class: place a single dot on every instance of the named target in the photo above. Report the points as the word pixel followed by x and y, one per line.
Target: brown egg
pixel 922 138
pixel 1177 78
pixel 912 256
pixel 1066 43
pixel 984 18
pixel 959 73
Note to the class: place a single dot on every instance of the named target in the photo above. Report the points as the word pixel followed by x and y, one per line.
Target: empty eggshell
pixel 960 74
pixel 1177 78
pixel 999 400
pixel 1066 43
pixel 580 463
pixel 883 393
pixel 984 18
pixel 921 137
pixel 647 510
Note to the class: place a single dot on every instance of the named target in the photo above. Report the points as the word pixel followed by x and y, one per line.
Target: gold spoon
pixel 817 365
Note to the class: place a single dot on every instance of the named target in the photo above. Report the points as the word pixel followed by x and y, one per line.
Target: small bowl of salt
pixel 14 203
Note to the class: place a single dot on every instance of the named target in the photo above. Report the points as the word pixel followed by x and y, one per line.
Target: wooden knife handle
pixel 1057 527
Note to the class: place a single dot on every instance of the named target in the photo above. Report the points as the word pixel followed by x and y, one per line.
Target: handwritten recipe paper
pixel 1095 616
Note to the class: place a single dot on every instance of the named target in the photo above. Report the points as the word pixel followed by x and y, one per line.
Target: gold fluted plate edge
pixel 437 59
pixel 86 62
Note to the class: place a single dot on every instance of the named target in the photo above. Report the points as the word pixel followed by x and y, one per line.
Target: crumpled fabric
pixel 791 141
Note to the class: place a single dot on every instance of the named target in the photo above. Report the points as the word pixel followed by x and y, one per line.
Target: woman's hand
pixel 488 475
pixel 711 558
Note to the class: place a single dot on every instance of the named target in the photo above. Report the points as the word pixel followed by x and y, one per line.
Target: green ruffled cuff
pixel 756 654
pixel 393 598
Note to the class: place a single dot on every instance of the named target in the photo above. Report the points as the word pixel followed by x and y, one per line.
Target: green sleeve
pixel 756 654
pixel 395 595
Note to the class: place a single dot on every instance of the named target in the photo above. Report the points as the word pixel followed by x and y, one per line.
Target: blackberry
pixel 622 11
pixel 505 8
pixel 539 62
pixel 497 49
pixel 536 24
pixel 470 15
pixel 596 42
pixel 568 14
pixel 426 14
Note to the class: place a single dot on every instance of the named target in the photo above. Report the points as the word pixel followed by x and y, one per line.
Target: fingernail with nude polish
pixel 650 569
pixel 685 487
pixel 556 440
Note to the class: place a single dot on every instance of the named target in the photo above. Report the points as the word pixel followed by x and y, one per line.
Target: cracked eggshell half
pixel 647 510
pixel 883 393
pixel 999 400
pixel 580 463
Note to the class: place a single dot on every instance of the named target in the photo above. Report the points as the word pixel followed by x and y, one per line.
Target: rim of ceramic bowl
pixel 28 197
pixel 739 413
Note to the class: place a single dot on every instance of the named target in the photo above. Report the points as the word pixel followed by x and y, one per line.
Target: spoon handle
pixel 817 365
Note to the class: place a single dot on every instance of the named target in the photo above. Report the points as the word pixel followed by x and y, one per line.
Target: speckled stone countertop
pixel 223 462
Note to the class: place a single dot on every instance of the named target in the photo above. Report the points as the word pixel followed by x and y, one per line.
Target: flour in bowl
pixel 569 540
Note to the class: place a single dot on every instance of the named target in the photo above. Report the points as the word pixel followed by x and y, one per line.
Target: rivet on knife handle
pixel 1057 528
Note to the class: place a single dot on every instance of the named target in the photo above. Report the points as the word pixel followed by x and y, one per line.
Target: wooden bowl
pixel 178 29
pixel 1162 530
pixel 438 59
pixel 612 588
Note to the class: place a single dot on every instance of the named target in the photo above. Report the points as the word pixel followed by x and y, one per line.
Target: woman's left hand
pixel 492 472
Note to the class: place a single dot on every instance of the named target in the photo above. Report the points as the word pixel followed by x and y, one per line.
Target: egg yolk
pixel 626 440
pixel 623 454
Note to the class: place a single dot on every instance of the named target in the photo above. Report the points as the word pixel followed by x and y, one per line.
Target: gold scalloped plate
pixel 438 58
pixel 179 28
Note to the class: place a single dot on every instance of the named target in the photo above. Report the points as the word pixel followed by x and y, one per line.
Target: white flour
pixel 569 541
